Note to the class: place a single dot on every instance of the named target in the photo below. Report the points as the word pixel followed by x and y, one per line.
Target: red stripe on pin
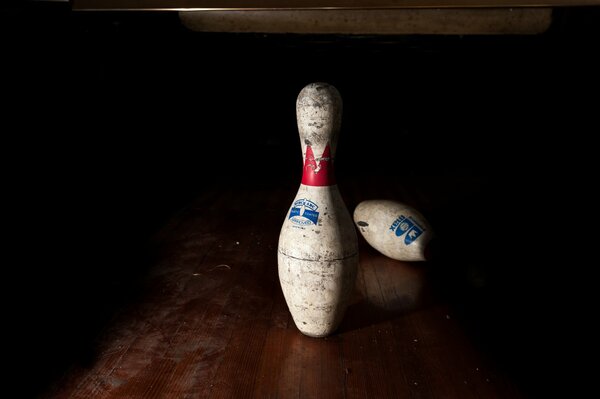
pixel 320 174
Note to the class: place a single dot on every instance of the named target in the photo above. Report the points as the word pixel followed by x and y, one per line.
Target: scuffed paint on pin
pixel 318 248
pixel 318 171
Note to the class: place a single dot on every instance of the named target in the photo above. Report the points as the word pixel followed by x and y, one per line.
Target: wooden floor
pixel 211 322
pixel 92 310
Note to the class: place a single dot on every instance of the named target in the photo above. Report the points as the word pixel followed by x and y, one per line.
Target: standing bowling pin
pixel 318 246
pixel 394 229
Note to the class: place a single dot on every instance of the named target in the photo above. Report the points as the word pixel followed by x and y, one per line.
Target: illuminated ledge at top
pixel 183 5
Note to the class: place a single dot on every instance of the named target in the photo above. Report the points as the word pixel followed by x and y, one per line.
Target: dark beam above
pixel 314 4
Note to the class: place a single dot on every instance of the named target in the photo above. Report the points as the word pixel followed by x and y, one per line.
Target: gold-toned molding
pixel 199 5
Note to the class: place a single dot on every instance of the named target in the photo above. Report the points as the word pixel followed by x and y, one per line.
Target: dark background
pixel 111 122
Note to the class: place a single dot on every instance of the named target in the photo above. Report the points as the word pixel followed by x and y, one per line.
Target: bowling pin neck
pixel 318 171
pixel 318 111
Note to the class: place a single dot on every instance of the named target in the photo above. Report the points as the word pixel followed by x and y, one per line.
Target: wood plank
pixel 210 321
pixel 480 21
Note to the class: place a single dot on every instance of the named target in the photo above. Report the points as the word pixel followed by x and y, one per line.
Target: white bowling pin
pixel 318 246
pixel 394 229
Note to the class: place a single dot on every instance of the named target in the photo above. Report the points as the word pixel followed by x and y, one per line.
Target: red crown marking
pixel 321 176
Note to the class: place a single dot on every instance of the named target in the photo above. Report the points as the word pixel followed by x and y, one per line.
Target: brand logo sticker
pixel 407 227
pixel 304 212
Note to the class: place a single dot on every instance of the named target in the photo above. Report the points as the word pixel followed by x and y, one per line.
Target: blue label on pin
pixel 304 212
pixel 408 227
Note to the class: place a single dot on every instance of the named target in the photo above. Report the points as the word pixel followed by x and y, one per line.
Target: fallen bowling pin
pixel 394 229
pixel 318 246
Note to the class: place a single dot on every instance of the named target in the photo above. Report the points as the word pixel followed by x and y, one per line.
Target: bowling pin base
pixel 317 292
